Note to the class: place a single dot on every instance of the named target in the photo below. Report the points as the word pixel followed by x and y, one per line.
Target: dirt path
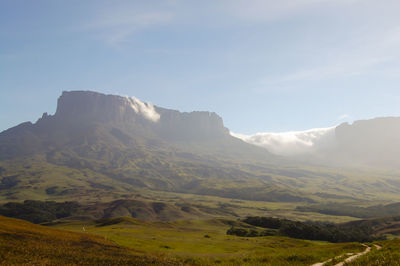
pixel 351 258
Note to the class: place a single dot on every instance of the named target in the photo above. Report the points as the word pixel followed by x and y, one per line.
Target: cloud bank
pixel 292 143
pixel 145 109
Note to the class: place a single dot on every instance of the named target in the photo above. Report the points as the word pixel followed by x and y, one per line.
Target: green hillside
pixel 23 243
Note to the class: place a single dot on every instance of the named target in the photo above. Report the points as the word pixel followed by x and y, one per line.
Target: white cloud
pixel 291 143
pixel 145 109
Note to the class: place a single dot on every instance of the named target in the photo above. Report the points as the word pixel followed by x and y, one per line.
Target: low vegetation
pixel 39 211
pixel 360 232
pixel 342 209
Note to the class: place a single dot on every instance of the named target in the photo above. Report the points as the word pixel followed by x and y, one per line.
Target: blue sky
pixel 262 65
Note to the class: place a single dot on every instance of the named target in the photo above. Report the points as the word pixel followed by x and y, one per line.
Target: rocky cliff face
pixel 88 106
pixel 131 113
pixel 174 125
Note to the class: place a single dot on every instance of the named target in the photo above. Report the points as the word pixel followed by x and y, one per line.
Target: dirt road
pixel 351 258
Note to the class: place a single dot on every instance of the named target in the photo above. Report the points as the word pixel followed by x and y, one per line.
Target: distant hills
pixel 99 146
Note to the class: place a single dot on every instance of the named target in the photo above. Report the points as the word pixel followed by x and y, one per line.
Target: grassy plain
pixel 204 242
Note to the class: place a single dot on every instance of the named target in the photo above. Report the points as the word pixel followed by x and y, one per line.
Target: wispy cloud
pixel 147 110
pixel 117 25
pixel 359 56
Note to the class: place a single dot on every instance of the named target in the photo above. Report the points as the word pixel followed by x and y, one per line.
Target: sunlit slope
pixel 24 243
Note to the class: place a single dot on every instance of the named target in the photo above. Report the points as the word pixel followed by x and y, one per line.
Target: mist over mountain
pixel 372 143
pixel 293 142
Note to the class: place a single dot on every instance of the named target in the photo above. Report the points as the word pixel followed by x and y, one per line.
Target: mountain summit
pixel 87 115
pixel 132 113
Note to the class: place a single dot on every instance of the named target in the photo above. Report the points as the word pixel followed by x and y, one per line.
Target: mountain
pixel 373 143
pixel 99 147
pixel 87 117
pixel 364 144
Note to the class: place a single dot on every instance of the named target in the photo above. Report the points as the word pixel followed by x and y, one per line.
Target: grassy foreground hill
pixel 23 243
pixel 128 241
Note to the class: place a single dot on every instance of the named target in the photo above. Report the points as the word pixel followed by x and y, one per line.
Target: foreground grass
pixel 24 243
pixel 204 242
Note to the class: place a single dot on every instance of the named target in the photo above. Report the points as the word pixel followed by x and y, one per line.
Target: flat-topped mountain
pixel 88 107
pixel 91 117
